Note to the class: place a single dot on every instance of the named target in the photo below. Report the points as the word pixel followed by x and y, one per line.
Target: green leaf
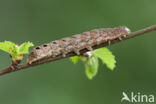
pixel 7 46
pixel 91 62
pixel 75 59
pixel 91 66
pixel 15 50
pixel 24 48
pixel 107 57
pixel 16 57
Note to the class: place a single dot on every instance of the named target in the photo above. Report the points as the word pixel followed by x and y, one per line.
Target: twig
pixel 24 66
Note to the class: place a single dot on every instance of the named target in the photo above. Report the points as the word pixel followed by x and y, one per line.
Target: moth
pixel 76 43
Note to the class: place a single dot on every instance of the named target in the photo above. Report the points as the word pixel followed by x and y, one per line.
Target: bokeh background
pixel 61 82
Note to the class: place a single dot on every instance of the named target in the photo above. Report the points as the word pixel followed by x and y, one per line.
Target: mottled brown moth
pixel 76 43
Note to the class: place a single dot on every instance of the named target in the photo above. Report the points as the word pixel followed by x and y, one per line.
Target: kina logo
pixel 137 97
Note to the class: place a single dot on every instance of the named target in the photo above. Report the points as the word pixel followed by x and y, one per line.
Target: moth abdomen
pixel 55 48
pixel 77 43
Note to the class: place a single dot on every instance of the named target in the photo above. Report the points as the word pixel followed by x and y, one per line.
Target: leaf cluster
pixel 91 62
pixel 16 51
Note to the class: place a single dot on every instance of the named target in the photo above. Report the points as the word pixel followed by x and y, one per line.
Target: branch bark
pixel 24 66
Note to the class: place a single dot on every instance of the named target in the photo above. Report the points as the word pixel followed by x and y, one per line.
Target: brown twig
pixel 24 66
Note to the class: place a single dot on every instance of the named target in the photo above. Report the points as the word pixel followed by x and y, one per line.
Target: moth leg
pixel 64 54
pixel 87 54
pixel 89 48
pixel 124 36
pixel 99 40
pixel 77 51
pixel 109 42
pixel 29 62
pixel 53 55
pixel 120 38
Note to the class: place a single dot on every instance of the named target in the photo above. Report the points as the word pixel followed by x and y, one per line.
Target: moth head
pixel 125 30
pixel 33 56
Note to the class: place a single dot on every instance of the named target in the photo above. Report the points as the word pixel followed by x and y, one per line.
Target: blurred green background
pixel 61 82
